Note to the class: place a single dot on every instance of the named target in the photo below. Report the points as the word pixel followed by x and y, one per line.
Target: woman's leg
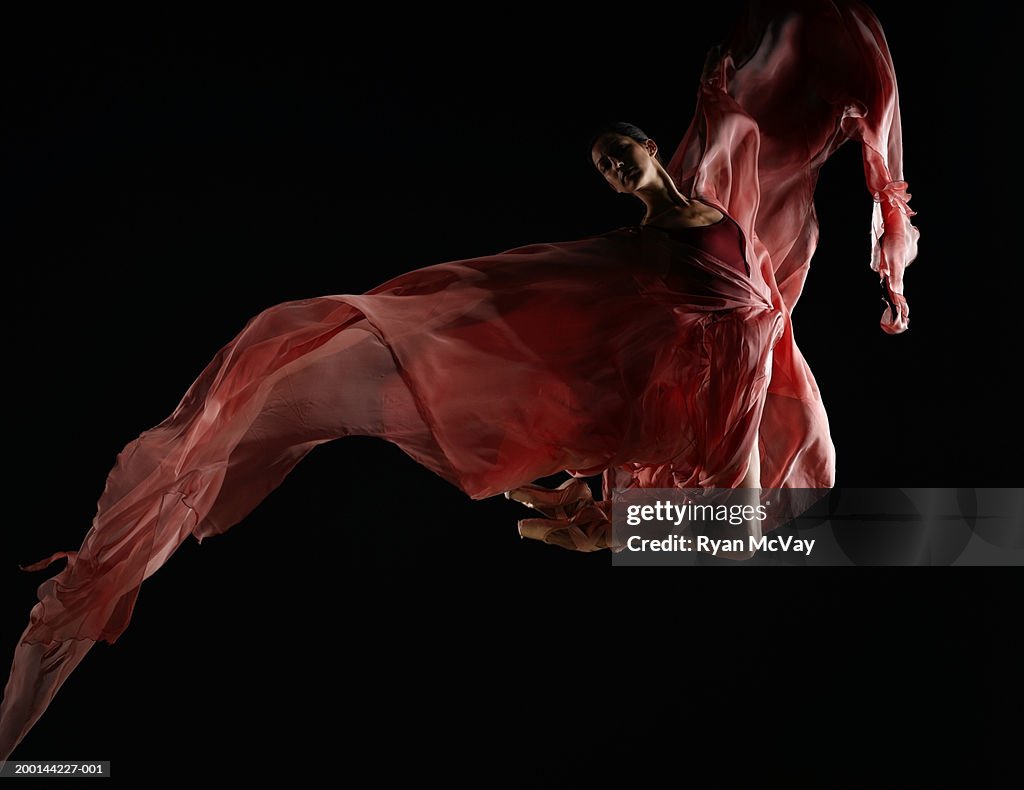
pixel 39 670
pixel 319 403
pixel 175 480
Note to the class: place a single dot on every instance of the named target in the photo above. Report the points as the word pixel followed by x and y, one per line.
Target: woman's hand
pixel 896 315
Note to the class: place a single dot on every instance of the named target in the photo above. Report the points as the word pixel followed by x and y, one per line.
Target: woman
pixel 659 355
pixel 721 312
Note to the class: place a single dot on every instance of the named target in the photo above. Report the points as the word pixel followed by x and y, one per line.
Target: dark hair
pixel 624 128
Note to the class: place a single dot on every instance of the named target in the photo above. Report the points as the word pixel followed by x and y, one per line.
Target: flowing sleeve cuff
pixel 893 247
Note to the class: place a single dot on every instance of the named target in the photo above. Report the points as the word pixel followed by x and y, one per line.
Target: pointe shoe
pixel 573 519
pixel 568 536
pixel 558 503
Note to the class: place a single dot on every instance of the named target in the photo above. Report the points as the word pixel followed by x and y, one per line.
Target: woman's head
pixel 626 157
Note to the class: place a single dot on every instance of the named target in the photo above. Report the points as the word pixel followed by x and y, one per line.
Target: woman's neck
pixel 661 196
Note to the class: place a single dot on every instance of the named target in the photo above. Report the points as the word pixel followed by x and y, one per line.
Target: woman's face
pixel 625 164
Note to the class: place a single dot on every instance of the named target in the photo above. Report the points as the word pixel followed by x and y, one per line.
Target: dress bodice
pixel 722 239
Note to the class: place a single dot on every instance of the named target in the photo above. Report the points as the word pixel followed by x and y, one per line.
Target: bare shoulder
pixel 704 213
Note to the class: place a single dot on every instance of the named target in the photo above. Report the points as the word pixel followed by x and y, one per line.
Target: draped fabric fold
pixel 628 354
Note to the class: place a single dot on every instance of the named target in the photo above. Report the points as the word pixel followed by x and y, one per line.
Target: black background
pixel 163 182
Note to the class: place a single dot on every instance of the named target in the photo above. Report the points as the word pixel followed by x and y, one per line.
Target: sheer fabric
pixel 633 354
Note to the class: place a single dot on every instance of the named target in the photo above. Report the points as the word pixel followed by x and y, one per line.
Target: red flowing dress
pixel 653 358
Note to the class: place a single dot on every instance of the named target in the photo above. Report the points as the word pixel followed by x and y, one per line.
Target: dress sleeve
pixel 872 117
pixel 807 76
